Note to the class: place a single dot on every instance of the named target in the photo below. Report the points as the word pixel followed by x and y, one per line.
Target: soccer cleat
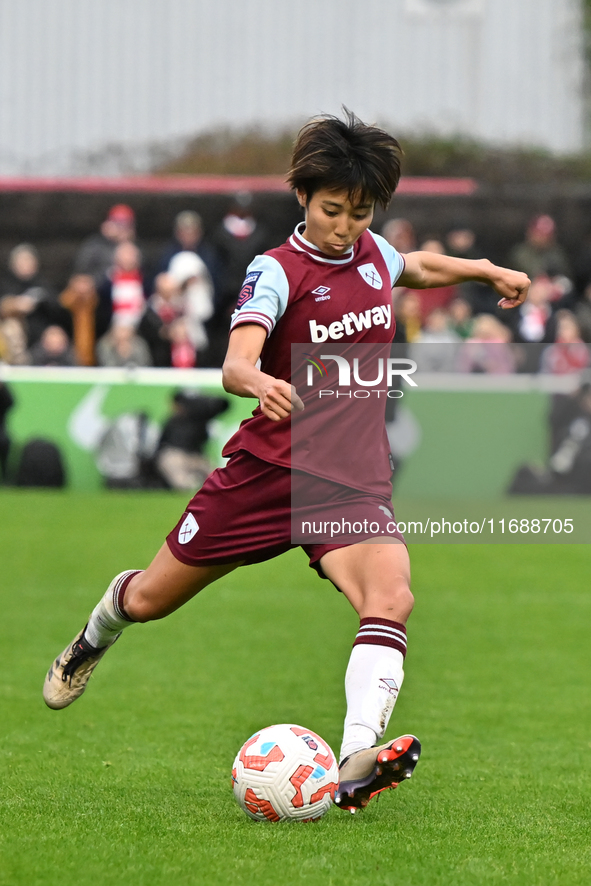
pixel 369 772
pixel 68 675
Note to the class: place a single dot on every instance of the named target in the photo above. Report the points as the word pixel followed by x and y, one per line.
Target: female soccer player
pixel 330 281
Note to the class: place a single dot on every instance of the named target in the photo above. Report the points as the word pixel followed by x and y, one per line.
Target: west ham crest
pixel 370 274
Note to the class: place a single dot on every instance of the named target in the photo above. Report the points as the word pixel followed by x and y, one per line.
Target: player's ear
pixel 302 199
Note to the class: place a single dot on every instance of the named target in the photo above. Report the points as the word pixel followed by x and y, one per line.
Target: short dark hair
pixel 346 155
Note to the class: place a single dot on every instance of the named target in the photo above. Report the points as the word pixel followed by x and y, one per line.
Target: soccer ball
pixel 285 772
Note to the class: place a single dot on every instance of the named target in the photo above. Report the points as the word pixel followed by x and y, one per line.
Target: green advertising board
pixel 454 436
pixel 73 408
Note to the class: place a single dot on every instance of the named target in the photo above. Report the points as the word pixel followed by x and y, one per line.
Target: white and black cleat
pixel 69 674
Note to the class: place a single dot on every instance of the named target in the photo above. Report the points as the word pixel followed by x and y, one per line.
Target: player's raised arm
pixel 428 270
pixel 241 376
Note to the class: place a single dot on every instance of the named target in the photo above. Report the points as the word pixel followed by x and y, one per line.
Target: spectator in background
pixel 532 320
pixel 122 299
pixel 81 299
pixel 460 317
pixel 173 311
pixel 53 349
pixel 6 404
pixel 440 297
pixel 13 342
pixel 236 241
pixel 26 297
pixel 435 348
pixel 182 350
pixel 400 233
pixel 582 266
pixel 432 243
pixel 569 353
pixel 437 329
pixel 461 242
pixel 407 310
pixel 96 254
pixel 583 314
pixel 540 253
pixel 486 328
pixel 167 300
pixel 4 347
pixel 121 346
pixel 534 323
pixel 164 306
pixel 487 349
pixel 192 277
pixel 188 237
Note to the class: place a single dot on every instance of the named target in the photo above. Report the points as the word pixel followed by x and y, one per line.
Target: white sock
pixel 109 618
pixel 372 682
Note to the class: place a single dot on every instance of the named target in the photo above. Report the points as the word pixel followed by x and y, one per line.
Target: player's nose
pixel 342 228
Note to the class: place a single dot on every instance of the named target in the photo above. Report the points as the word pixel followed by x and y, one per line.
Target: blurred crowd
pixel 118 311
pixel 465 330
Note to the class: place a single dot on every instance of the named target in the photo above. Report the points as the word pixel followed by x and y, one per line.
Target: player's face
pixel 333 222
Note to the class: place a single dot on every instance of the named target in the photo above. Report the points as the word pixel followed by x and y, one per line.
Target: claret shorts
pixel 243 512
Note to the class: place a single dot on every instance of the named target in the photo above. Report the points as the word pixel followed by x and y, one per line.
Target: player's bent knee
pixel 395 602
pixel 406 601
pixel 141 604
pixel 142 609
pixel 401 598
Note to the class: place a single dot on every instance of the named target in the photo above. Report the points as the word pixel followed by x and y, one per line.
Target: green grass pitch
pixel 131 785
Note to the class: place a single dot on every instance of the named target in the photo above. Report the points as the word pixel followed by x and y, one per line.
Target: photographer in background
pixel 6 404
pixel 180 458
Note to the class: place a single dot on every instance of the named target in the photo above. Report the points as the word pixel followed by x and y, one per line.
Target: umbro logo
pixel 321 293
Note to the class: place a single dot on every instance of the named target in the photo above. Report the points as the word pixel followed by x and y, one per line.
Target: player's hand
pixel 278 399
pixel 512 286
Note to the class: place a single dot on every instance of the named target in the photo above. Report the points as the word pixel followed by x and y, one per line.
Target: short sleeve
pixel 264 294
pixel 392 257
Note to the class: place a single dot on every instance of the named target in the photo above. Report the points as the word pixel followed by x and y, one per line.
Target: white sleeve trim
pixel 392 257
pixel 270 295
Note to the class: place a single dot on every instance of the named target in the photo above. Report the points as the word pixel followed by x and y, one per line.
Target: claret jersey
pixel 300 295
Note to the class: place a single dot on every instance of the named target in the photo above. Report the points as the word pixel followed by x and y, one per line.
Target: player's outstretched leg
pixel 69 674
pixel 375 578
pixel 132 596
